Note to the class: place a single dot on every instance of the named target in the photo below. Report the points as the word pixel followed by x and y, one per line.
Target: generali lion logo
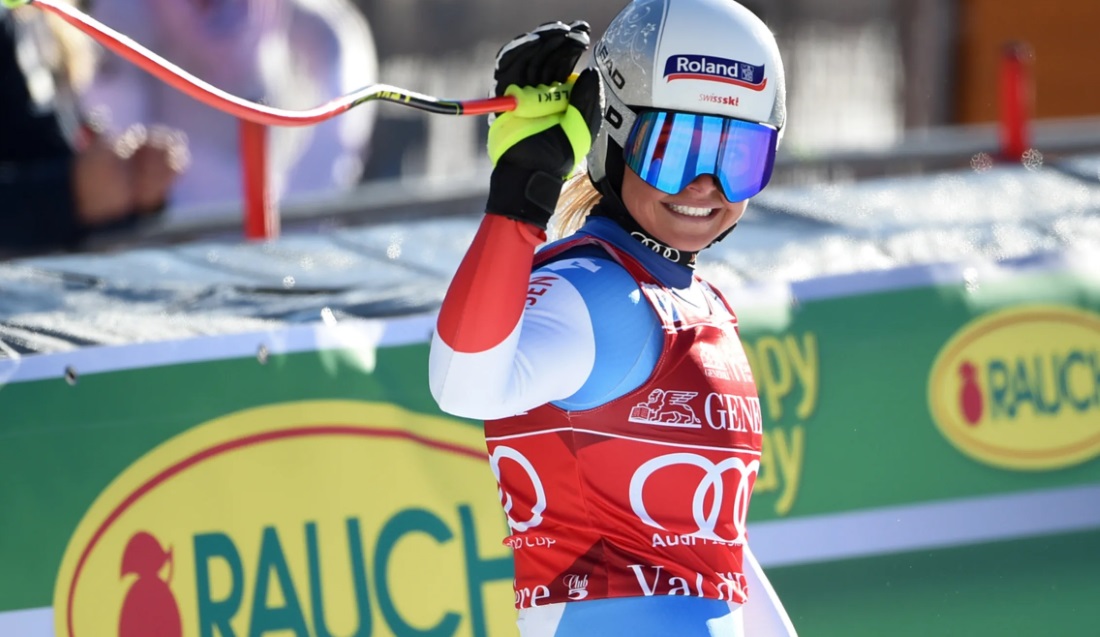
pixel 1020 388
pixel 310 518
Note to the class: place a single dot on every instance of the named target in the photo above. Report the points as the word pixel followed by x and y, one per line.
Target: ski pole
pixel 244 109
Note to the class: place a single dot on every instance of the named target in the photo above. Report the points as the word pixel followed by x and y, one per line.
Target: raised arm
pixel 505 343
pixel 476 368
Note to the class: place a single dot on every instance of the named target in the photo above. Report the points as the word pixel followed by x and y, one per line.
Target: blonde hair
pixel 578 197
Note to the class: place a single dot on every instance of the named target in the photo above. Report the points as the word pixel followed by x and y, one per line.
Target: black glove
pixel 537 146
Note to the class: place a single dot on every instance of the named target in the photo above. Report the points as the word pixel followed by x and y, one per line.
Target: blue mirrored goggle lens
pixel 670 150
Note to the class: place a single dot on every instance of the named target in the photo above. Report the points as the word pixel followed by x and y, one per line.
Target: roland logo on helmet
pixel 1020 388
pixel 715 69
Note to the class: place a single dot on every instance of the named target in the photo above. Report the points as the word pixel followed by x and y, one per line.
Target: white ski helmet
pixel 711 57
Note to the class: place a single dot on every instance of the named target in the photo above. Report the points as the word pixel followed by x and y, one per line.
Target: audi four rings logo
pixel 706 521
pixel 671 254
pixel 506 498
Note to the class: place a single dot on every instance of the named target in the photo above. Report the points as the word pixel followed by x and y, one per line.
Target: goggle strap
pixel 618 117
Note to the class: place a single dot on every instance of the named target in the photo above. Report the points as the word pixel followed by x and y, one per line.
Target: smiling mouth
pixel 690 211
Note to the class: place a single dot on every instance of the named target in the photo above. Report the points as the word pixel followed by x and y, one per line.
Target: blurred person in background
pixel 292 54
pixel 60 180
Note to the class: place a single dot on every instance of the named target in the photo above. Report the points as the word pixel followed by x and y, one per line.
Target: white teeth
pixel 689 211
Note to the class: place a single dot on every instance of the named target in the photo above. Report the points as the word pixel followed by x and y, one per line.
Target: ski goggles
pixel 670 150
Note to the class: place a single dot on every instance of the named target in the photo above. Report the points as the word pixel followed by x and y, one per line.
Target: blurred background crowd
pixel 91 144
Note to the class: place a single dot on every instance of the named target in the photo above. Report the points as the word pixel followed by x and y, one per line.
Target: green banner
pixel 847 393
pixel 321 492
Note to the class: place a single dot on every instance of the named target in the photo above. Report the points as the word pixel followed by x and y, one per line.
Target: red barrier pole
pixel 261 218
pixel 1017 96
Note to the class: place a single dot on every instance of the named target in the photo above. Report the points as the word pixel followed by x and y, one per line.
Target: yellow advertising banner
pixel 308 518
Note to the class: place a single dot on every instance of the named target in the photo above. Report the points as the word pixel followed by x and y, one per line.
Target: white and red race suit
pixel 622 422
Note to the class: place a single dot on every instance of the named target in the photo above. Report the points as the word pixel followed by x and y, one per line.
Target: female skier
pixel 622 420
